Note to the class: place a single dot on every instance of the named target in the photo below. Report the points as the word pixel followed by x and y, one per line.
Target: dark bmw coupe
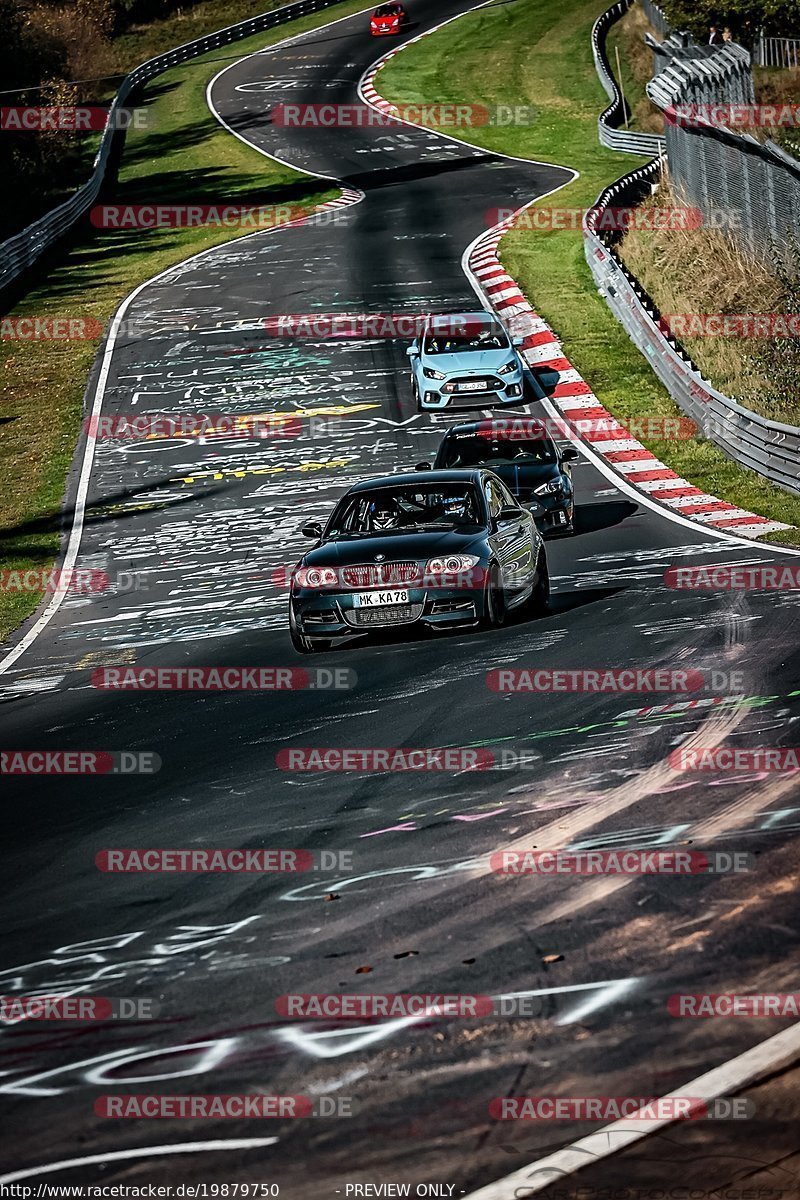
pixel 434 548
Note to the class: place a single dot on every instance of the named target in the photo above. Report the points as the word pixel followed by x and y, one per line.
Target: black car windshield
pixel 387 10
pixel 476 451
pixel 456 343
pixel 409 508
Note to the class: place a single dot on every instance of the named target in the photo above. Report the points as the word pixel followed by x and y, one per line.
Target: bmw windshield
pixel 410 508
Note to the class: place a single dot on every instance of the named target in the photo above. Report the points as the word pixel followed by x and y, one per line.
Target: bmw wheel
pixel 494 609
pixel 539 603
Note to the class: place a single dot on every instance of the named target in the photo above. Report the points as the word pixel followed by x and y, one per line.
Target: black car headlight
pixel 508 367
pixel 316 577
pixel 553 488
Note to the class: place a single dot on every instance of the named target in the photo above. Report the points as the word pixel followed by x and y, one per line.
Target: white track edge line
pixel 765 1057
pixel 67 1164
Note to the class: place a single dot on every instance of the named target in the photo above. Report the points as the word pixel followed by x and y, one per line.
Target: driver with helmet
pixel 383 514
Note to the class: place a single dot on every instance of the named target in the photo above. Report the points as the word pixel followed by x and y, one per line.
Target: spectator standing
pixel 714 36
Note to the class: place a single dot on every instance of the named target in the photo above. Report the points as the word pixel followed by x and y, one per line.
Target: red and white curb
pixel 574 398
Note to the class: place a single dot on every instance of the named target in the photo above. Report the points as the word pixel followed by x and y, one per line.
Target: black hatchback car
pixel 435 548
pixel 525 457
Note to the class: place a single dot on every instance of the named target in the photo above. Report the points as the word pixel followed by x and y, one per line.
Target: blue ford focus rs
pixel 435 549
pixel 465 361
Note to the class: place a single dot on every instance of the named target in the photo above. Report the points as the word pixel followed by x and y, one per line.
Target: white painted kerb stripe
pixel 769 1056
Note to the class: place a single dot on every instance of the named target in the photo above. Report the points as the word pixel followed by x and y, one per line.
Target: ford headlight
pixel 549 489
pixel 430 373
pixel 508 368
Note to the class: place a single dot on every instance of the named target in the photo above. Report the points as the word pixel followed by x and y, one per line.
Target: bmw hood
pixel 395 547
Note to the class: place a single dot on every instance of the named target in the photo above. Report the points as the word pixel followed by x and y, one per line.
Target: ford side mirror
pixel 412 352
pixel 311 529
pixel 569 454
pixel 517 341
pixel 423 466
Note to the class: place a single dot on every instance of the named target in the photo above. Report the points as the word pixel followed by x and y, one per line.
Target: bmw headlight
pixel 316 577
pixel 430 373
pixel 508 368
pixel 549 489
pixel 451 564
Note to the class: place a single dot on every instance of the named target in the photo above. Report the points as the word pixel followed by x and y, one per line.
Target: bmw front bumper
pixel 334 614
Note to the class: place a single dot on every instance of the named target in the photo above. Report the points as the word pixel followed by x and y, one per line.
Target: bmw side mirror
pixel 569 454
pixel 412 352
pixel 423 466
pixel 311 529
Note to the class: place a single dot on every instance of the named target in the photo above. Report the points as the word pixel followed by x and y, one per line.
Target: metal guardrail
pixel 610 120
pixel 22 250
pixel 752 187
pixel 657 17
pixel 777 52
pixel 767 447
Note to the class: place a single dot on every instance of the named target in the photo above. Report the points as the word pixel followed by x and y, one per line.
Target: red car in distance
pixel 389 18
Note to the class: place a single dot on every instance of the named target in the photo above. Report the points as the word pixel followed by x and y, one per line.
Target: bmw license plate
pixel 474 385
pixel 380 599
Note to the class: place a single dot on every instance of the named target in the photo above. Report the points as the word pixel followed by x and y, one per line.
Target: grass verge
pixel 534 52
pixel 184 155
